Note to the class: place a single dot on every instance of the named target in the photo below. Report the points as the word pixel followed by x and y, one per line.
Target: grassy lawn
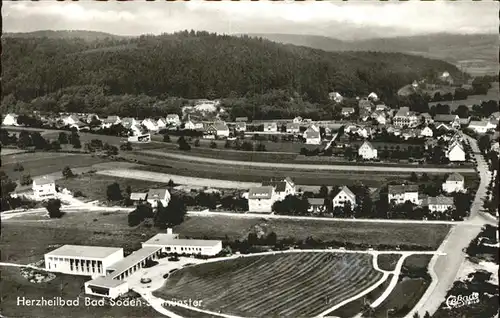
pixel 296 284
pixel 403 298
pixel 354 307
pixel 93 186
pixel 391 234
pixel 42 163
pixel 388 261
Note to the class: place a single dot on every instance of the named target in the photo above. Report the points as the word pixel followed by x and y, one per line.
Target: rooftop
pixel 316 201
pixel 131 260
pixel 43 180
pixel 445 117
pixel 455 177
pixel 264 192
pixel 135 196
pixel 84 251
pixel 279 186
pixel 440 200
pixel 157 194
pixel 172 240
pixel 403 188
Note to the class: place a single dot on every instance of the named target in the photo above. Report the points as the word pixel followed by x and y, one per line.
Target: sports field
pixel 286 285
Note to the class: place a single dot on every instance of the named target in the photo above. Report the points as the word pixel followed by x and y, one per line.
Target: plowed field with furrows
pixel 286 285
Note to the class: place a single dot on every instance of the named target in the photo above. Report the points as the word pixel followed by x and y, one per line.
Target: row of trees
pixel 28 139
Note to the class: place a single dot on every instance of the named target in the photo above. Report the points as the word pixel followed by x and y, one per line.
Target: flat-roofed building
pixel 171 243
pixel 82 260
pixel 106 287
pixel 133 262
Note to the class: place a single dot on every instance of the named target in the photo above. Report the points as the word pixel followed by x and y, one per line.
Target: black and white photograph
pixel 249 159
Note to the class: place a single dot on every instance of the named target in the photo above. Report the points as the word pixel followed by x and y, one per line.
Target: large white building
pixel 367 151
pixel 82 260
pixel 171 243
pixel 44 188
pixel 454 183
pixel 399 194
pixel 455 152
pixel 405 118
pixel 343 196
pixel 261 199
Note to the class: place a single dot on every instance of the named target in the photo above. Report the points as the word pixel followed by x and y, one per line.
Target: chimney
pixel 169 231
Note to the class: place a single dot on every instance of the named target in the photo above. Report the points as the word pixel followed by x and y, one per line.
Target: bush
pixel 197 143
pixel 18 167
pixel 53 206
pixel 26 179
pixel 166 138
pixel 67 173
pixel 213 145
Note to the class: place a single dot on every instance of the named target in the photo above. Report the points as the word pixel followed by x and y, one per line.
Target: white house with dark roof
pixel 44 188
pixel 336 97
pixel 367 151
pixel 312 135
pixel 261 199
pixel 70 120
pixel 281 188
pixel 270 127
pixel 481 127
pixel 150 124
pixel 10 120
pixel 455 152
pixel 293 128
pixel 426 132
pixel 172 119
pixel 158 195
pixel 110 121
pixel 343 196
pixel 399 194
pixel 161 123
pixel 439 203
pixel 454 183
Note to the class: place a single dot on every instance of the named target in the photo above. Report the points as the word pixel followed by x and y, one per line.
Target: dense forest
pixel 153 74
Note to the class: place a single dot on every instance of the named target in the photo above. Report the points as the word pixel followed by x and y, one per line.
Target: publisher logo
pixel 460 301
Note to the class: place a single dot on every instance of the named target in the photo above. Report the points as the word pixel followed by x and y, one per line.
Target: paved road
pixel 444 269
pixel 308 166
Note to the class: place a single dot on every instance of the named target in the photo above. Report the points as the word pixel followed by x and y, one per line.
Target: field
pixel 19 247
pixel 388 261
pixel 295 284
pixel 10 151
pixel 492 94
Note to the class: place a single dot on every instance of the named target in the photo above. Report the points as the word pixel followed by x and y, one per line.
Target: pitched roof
pixel 426 115
pixel 477 123
pixel 455 177
pixel 440 200
pixel 402 188
pixel 347 192
pixel 279 186
pixel 403 111
pixel 311 132
pixel 172 116
pixel 220 126
pixel 135 196
pixel 316 201
pixel 292 125
pixel 43 180
pixel 445 118
pixel 158 194
pixel 347 109
pixel 241 124
pixel 369 144
pixel 264 192
pixel 273 124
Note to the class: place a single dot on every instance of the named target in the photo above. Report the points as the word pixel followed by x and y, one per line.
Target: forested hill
pixel 202 65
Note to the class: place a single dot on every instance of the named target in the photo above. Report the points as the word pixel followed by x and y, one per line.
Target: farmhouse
pixel 367 151
pixel 82 260
pixel 240 126
pixel 261 199
pixel 481 127
pixel 172 119
pixel 70 120
pixel 336 97
pixel 292 128
pixel 454 183
pixel 129 122
pixel 312 135
pixel 343 197
pixel 161 123
pixel 218 129
pixel 455 152
pixel 399 194
pixel 426 132
pixel 137 197
pixel 439 204
pixel 270 127
pixel 316 205
pixel 405 118
pixel 44 188
pixel 347 111
pixel 150 124
pixel 10 120
pixel 297 120
pixel 171 243
pixel 426 118
pixel 110 121
pixel 158 195
pixel 281 188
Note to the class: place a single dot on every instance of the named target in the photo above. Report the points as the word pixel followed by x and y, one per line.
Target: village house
pixel 439 203
pixel 241 119
pixel 281 188
pixel 173 119
pixel 483 126
pixel 217 129
pixel 110 121
pixel 150 124
pixel 316 205
pixel 381 107
pixel 455 152
pixel 293 128
pixel 89 117
pixel 426 118
pixel 161 123
pixel 261 199
pixel 344 196
pixel 399 194
pixel 454 183
pixel 372 96
pixel 129 122
pixel 426 132
pixel 379 117
pixel 347 111
pixel 444 127
pixel 44 188
pixel 405 118
pixel 10 120
pixel 137 197
pixel 297 120
pixel 336 97
pixel 367 151
pixel 70 120
pixel 364 103
pixel 79 126
pixel 312 135
pixel 158 195
pixel 270 127
pixel 448 119
pixel 240 126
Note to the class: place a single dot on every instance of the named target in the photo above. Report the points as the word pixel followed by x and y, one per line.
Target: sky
pixel 338 19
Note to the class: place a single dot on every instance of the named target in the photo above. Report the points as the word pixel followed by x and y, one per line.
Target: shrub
pixel 67 173
pixel 53 206
pixel 26 179
pixel 213 145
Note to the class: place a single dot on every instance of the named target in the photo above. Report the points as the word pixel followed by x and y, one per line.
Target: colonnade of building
pixel 75 265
